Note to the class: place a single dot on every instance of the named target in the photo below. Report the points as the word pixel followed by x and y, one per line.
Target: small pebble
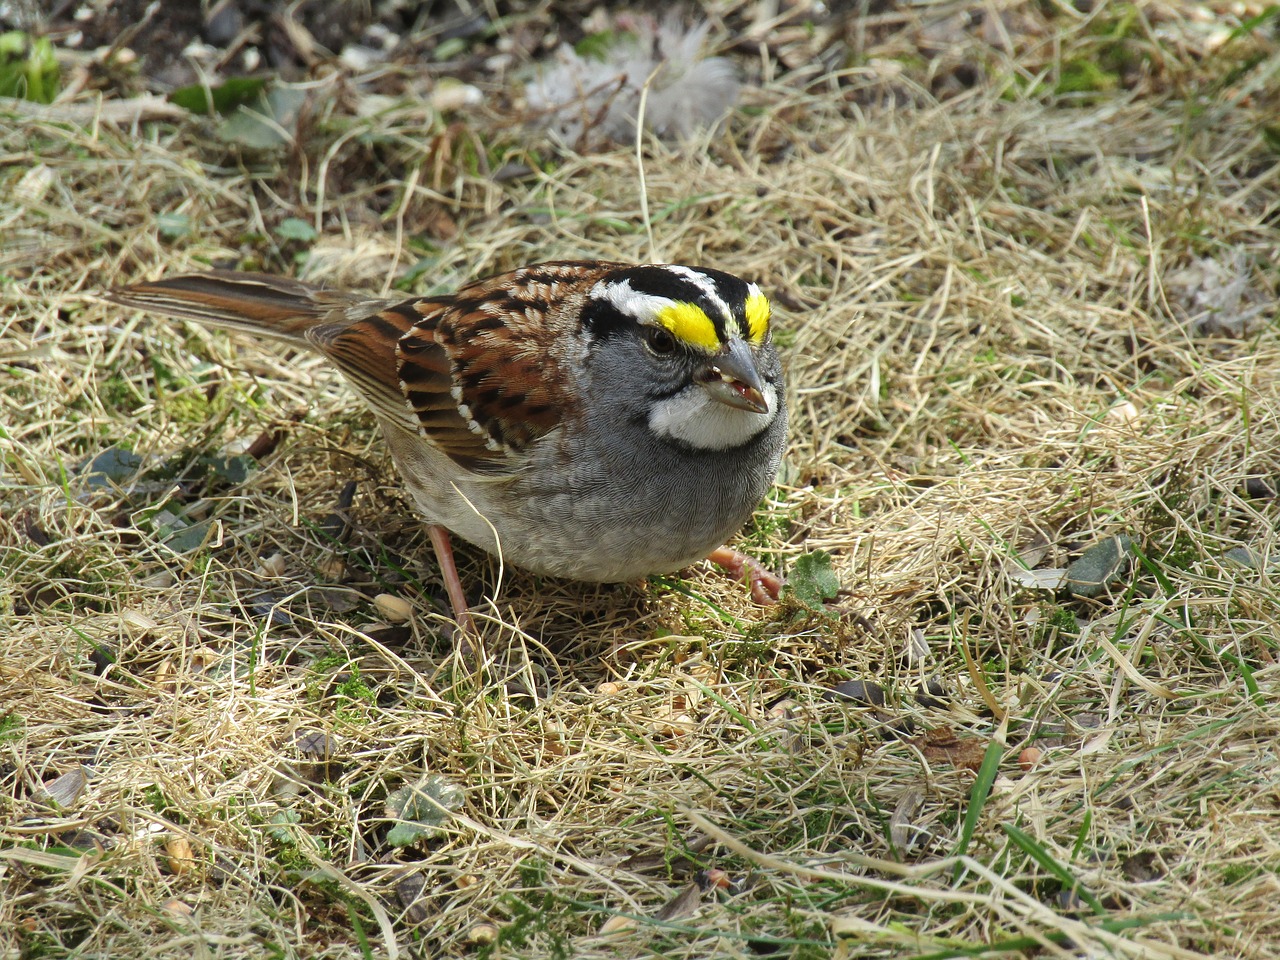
pixel 33 186
pixel 617 925
pixel 159 581
pixel 178 908
pixel 677 725
pixel 408 889
pixel 273 566
pixel 482 934
pixel 608 689
pixel 314 744
pixel 1142 867
pixel 1258 488
pixel 858 691
pixel 1123 412
pixel 933 695
pixel 393 608
pixel 181 859
pixel 454 96
pixel 165 675
pixel 1029 757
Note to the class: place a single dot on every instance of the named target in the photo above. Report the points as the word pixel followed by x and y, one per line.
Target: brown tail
pixel 255 303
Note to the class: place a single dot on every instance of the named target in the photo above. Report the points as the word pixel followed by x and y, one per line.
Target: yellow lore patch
pixel 690 324
pixel 757 310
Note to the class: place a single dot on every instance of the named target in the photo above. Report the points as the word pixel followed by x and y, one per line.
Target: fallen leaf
pixel 943 745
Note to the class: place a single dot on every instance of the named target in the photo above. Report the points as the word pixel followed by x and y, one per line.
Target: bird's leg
pixel 766 586
pixel 453 585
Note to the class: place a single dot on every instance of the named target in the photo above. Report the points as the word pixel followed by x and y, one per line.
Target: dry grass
pixel 989 369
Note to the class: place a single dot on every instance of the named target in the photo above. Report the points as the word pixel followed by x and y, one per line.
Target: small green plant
pixel 155 798
pixel 11 725
pixel 813 580
pixel 1060 621
pixel 1085 76
pixel 352 695
pixel 530 910
pixel 421 809
pixel 770 521
pixel 28 67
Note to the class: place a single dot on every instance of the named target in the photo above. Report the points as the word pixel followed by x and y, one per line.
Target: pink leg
pixel 766 586
pixel 452 583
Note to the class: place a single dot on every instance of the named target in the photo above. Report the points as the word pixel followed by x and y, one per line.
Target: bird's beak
pixel 732 379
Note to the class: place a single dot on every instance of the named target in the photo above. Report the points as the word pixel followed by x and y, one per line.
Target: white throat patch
pixel 692 416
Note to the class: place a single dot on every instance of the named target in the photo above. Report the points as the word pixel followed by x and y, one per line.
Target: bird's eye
pixel 660 341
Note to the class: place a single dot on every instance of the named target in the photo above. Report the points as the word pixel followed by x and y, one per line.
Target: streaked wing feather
pixel 426 381
pixel 480 374
pixel 504 339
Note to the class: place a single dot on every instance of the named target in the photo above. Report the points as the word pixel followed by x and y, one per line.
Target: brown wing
pixel 481 375
pixel 425 378
pixel 494 360
pixel 394 361
pixel 364 349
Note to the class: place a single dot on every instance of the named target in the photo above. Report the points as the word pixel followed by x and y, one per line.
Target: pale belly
pixel 589 524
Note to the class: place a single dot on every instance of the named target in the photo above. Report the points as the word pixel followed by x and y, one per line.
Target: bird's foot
pixel 766 586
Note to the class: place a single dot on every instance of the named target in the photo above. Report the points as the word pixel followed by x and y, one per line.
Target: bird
pixel 593 420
